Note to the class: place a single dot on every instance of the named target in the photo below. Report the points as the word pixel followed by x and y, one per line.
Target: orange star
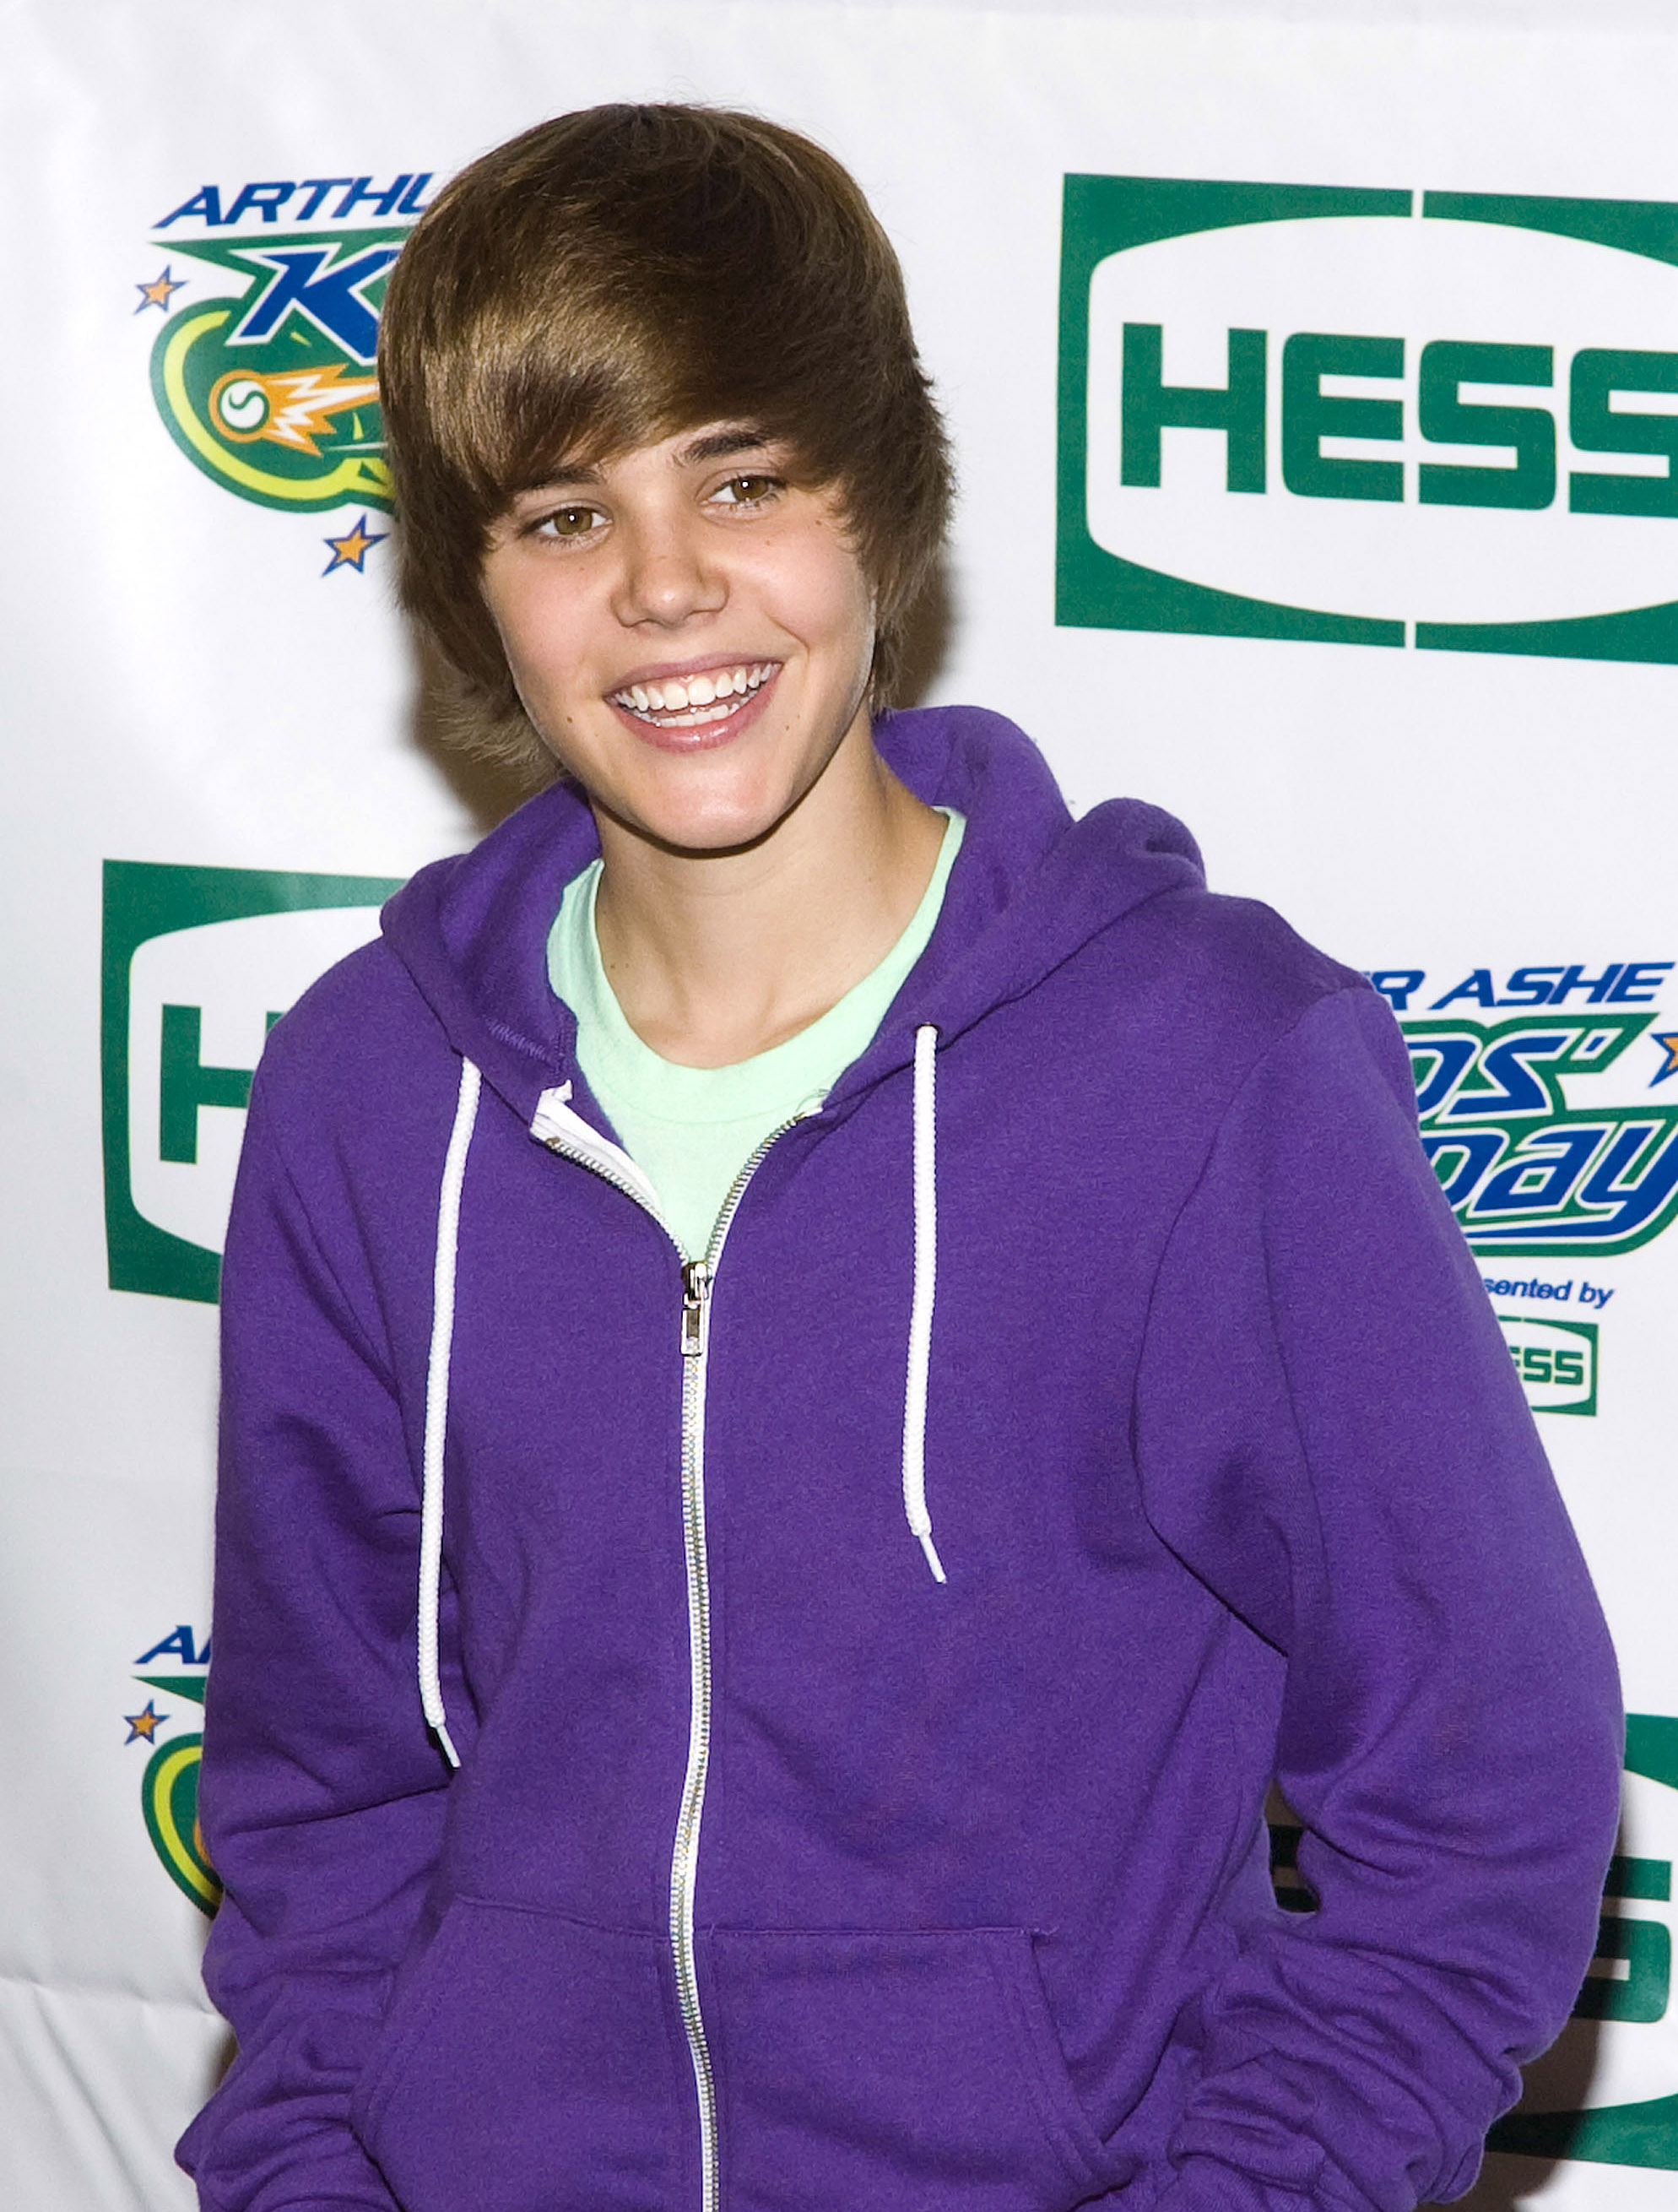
pixel 143 1726
pixel 1668 1045
pixel 351 550
pixel 157 293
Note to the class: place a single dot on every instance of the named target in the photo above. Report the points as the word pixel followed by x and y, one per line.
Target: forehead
pixel 696 448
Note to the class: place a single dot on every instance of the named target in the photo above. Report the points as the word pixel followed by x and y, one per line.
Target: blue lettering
pixel 384 199
pixel 1636 1202
pixel 180 1644
pixel 1529 986
pixel 1512 1088
pixel 205 202
pixel 1542 1172
pixel 1575 979
pixel 314 281
pixel 404 196
pixel 270 197
pixel 1397 984
pixel 317 188
pixel 1477 986
pixel 1461 1158
pixel 1638 981
pixel 1437 1063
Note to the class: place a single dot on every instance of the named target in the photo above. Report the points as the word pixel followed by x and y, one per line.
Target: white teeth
pixel 690 698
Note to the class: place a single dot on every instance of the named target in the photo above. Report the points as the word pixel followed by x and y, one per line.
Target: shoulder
pixel 362 1004
pixel 1232 974
pixel 355 1055
pixel 1124 890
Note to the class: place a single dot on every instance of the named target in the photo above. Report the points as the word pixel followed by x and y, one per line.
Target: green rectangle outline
pixel 1098 590
pixel 1585 1328
pixel 153 899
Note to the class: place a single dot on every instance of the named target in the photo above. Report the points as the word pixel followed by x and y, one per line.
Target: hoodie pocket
pixel 526 2063
pixel 906 2071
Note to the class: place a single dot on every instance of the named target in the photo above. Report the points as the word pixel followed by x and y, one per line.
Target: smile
pixel 679 702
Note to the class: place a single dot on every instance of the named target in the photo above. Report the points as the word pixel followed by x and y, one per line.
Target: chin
pixel 724 826
pixel 726 836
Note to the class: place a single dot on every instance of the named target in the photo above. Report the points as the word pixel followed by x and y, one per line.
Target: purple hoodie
pixel 776 1873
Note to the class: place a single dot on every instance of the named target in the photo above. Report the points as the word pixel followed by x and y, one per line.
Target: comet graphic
pixel 288 407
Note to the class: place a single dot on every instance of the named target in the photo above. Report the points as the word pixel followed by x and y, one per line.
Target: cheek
pixel 540 632
pixel 828 602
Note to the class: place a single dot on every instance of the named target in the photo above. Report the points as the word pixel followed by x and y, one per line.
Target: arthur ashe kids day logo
pixel 198 964
pixel 1533 1090
pixel 263 367
pixel 173 1670
pixel 1446 420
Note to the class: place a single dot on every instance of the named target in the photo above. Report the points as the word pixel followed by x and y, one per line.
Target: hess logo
pixel 198 964
pixel 1439 420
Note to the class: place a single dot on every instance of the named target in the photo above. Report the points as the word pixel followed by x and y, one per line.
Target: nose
pixel 668 571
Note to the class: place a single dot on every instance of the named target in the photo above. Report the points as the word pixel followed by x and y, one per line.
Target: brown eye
pixel 570 521
pixel 749 491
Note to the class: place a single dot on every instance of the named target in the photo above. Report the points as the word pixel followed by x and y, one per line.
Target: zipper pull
pixel 695 1289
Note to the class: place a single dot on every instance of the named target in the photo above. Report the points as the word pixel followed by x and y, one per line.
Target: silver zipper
pixel 696 1276
pixel 699 1279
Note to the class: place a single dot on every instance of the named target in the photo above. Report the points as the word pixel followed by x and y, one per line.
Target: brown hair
pixel 621 274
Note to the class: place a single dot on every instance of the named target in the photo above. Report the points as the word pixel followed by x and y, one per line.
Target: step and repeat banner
pixel 1315 385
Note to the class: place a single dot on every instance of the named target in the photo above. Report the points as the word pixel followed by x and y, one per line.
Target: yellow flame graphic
pixel 287 407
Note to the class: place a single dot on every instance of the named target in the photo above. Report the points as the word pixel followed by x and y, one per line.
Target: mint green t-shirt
pixel 692 1129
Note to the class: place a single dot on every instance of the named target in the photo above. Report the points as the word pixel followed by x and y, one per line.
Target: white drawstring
pixel 442 1340
pixel 437 1403
pixel 920 1309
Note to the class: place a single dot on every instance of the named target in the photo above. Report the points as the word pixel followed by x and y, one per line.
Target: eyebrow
pixel 720 444
pixel 558 478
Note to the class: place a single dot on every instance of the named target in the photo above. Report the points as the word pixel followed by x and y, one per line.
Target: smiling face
pixel 690 632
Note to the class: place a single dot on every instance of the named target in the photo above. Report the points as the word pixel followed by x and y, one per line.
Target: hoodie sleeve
pixel 1331 1438
pixel 322 1795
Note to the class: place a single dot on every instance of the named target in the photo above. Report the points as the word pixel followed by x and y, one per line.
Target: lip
pixel 703 736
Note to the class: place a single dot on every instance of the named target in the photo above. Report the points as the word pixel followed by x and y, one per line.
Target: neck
pixel 716 956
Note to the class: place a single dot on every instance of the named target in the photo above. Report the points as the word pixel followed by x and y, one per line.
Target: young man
pixel 892 1360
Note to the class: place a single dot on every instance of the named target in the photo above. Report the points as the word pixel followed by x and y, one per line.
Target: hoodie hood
pixel 1029 888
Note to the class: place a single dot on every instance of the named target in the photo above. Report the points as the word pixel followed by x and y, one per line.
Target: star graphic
pixel 143 1727
pixel 156 293
pixel 1668 1045
pixel 351 550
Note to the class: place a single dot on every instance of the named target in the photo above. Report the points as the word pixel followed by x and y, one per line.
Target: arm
pixel 322 1796
pixel 1332 1440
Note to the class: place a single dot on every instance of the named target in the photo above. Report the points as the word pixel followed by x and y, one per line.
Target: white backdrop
pixel 1437 732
